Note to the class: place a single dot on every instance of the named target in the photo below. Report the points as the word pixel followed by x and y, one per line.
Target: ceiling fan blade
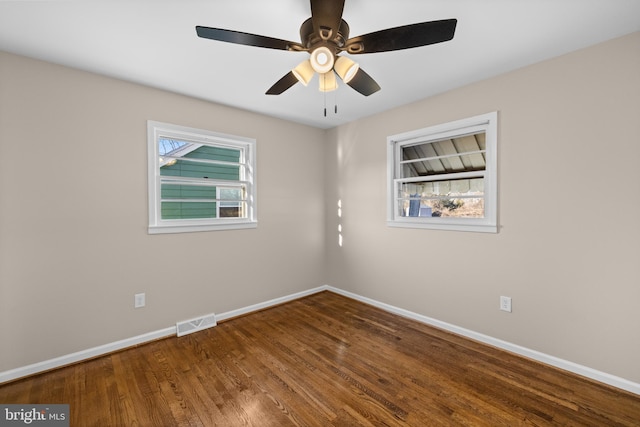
pixel 326 16
pixel 364 83
pixel 247 39
pixel 283 84
pixel 404 37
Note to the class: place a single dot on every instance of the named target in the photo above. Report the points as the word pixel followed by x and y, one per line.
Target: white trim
pixel 79 356
pixel 267 304
pixel 247 147
pixel 409 223
pixel 485 122
pixel 200 227
pixel 102 350
pixel 566 365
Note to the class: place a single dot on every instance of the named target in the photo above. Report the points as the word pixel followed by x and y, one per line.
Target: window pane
pixel 200 180
pixel 460 154
pixel 179 191
pixel 199 201
pixel 461 198
pixel 228 207
pixel 232 211
pixel 214 153
pixel 180 158
pixel 178 148
pixel 188 210
pixel 191 169
pixel 166 146
pixel 202 201
pixel 230 194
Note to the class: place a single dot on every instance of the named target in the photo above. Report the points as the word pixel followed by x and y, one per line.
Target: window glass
pixel 199 181
pixel 445 176
pixel 462 198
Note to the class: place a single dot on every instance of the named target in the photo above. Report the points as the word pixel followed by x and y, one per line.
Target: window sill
pixel 193 228
pixel 476 228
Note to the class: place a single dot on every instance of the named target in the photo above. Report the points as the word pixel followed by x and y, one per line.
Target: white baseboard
pixel 584 371
pixel 79 356
pixel 270 303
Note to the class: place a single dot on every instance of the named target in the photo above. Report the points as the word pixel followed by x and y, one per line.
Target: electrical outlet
pixel 139 300
pixel 505 304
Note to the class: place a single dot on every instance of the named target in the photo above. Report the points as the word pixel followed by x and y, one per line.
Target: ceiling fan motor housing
pixel 334 41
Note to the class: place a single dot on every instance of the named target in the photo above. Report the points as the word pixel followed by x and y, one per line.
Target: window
pixel 444 177
pixel 199 180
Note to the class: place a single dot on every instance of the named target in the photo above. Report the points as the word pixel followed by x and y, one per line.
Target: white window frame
pixel 487 123
pixel 247 146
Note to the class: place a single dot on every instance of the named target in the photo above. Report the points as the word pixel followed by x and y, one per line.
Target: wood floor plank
pixel 324 360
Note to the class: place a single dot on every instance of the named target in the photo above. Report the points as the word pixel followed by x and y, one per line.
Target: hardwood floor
pixel 324 360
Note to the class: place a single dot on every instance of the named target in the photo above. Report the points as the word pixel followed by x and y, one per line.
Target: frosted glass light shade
pixel 346 68
pixel 328 82
pixel 322 60
pixel 303 72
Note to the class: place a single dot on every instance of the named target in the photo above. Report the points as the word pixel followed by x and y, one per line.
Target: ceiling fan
pixel 325 35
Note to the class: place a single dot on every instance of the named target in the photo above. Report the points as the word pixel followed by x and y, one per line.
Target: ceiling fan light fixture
pixel 328 82
pixel 322 60
pixel 303 72
pixel 346 68
pixel 325 34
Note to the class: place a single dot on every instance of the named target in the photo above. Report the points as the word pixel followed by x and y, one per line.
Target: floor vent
pixel 197 324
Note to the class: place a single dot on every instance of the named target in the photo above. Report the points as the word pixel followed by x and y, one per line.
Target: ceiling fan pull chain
pixel 324 95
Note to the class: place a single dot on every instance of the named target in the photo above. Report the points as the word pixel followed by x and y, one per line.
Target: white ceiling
pixel 155 43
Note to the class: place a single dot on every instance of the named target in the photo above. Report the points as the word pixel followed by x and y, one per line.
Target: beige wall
pixel 74 246
pixel 568 247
